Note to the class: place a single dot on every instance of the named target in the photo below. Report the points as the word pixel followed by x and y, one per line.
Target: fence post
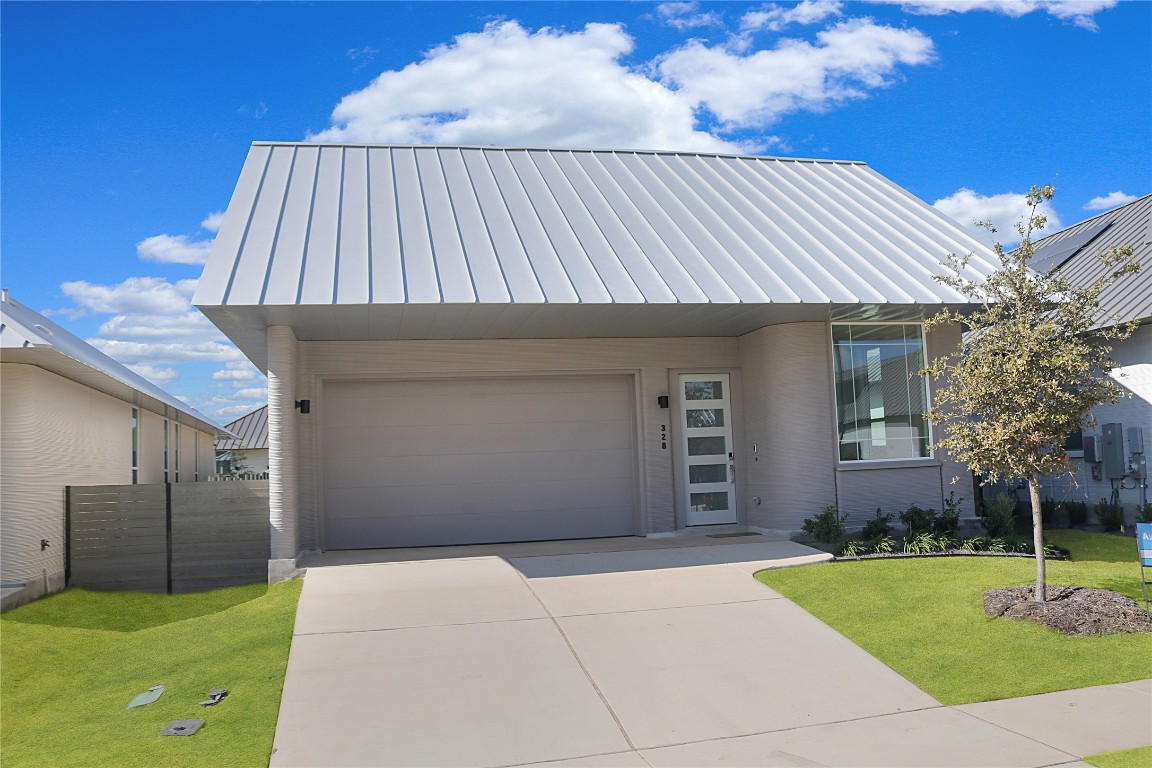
pixel 67 535
pixel 168 531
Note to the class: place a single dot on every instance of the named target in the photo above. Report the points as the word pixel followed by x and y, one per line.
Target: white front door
pixel 709 479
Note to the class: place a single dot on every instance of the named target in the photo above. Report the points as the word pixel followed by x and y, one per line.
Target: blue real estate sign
pixel 1144 537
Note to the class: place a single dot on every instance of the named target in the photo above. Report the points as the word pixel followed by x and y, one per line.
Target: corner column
pixel 283 497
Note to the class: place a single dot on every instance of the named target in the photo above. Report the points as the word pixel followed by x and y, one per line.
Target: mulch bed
pixel 1071 610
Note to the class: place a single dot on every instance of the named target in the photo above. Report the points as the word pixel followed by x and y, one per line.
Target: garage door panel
pixel 419 531
pixel 369 390
pixel 473 438
pixel 541 496
pixel 497 409
pixel 456 461
pixel 470 468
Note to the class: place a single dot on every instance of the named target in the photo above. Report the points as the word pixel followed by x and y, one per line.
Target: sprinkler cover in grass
pixel 147 697
pixel 181 727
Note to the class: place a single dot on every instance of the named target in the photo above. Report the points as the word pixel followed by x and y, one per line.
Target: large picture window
pixel 879 401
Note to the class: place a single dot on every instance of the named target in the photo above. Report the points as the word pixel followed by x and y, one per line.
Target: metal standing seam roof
pixel 250 430
pixel 1130 224
pixel 414 242
pixel 28 337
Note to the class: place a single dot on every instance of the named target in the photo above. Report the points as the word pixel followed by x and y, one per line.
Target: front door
pixel 709 480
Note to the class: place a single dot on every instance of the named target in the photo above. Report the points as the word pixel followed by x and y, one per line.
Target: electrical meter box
pixel 1135 440
pixel 1112 451
pixel 1091 454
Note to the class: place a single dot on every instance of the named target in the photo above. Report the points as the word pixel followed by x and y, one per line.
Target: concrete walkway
pixel 629 652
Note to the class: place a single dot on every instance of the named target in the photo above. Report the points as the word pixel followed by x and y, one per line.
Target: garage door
pixel 415 463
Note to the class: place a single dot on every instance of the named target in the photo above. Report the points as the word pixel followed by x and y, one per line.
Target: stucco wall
pixel 57 433
pixel 785 408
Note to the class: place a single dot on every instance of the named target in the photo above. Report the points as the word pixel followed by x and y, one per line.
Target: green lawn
pixel 923 617
pixel 72 662
pixel 1141 757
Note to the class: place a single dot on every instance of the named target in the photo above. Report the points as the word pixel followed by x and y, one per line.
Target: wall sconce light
pixel 662 401
pixel 305 406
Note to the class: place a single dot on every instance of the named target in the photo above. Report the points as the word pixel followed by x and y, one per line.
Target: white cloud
pixel 213 221
pixel 240 371
pixel 1079 12
pixel 1110 200
pixel 754 90
pixel 133 352
pixel 1004 211
pixel 226 412
pixel 147 295
pixel 506 85
pixel 252 393
pixel 174 249
pixel 773 17
pixel 159 376
pixel 684 16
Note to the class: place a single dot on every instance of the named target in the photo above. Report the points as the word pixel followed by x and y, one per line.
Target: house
pixel 1074 251
pixel 71 415
pixel 480 344
pixel 247 452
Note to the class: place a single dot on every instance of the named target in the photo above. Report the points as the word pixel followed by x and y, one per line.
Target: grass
pixel 72 662
pixel 1141 757
pixel 924 618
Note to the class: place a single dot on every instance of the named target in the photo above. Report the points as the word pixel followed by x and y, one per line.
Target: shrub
pixel 884 544
pixel 973 544
pixel 1144 513
pixel 949 519
pixel 828 526
pixel 853 548
pixel 918 520
pixel 1077 513
pixel 878 527
pixel 1048 507
pixel 1110 514
pixel 999 516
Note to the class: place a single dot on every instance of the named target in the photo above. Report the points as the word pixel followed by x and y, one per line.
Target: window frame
pixel 930 459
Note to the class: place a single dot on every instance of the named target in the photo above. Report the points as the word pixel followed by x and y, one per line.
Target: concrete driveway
pixel 668 656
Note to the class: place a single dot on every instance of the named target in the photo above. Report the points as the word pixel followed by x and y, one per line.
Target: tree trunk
pixel 1041 593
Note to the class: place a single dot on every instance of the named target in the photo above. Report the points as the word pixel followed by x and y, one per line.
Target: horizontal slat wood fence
pixel 175 537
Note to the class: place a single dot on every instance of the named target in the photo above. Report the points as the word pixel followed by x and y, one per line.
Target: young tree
pixel 1031 367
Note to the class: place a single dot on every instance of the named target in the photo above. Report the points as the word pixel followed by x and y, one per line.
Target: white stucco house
pixel 1074 251
pixel 479 344
pixel 71 415
pixel 246 446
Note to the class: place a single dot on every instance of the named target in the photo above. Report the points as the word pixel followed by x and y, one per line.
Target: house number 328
pixel 664 436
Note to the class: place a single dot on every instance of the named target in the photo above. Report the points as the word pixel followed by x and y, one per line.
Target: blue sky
pixel 124 125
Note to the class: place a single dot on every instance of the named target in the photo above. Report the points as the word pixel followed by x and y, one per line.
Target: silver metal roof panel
pixel 332 227
pixel 250 430
pixel 1130 224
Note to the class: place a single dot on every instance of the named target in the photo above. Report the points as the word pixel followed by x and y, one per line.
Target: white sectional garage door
pixel 415 463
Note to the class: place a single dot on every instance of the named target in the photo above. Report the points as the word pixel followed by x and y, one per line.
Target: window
pixel 176 453
pixel 879 401
pixel 165 450
pixel 196 456
pixel 135 446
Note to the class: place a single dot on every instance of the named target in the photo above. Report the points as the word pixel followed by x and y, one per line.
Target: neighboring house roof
pixel 28 337
pixel 1074 251
pixel 404 242
pixel 250 430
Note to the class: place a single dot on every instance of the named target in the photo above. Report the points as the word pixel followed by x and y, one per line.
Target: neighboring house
pixel 490 344
pixel 1074 251
pixel 71 415
pixel 249 448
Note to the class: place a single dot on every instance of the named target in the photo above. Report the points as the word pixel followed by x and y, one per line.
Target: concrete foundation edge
pixel 26 593
pixel 282 569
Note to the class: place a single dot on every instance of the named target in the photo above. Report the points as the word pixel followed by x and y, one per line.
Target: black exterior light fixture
pixel 304 406
pixel 662 401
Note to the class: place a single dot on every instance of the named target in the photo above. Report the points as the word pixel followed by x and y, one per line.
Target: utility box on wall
pixel 1112 451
